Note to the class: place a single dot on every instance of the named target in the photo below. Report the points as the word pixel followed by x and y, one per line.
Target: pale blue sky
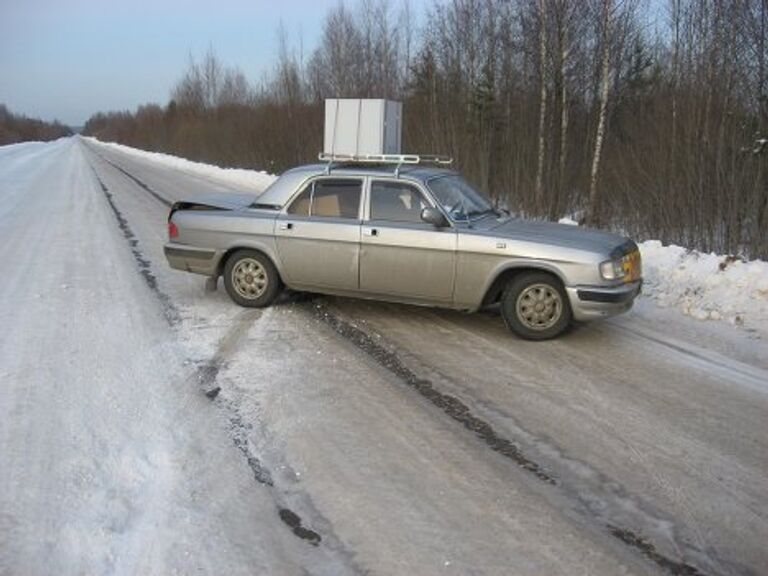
pixel 67 59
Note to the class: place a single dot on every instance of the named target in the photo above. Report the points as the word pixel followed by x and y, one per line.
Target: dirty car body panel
pixel 364 236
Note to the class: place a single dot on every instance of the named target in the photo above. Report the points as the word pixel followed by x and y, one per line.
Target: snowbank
pixel 249 179
pixel 705 286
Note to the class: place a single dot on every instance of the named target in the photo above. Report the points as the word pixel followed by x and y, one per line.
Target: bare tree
pixel 288 83
pixel 336 66
pixel 606 78
pixel 211 70
pixel 235 90
pixel 542 104
pixel 563 17
pixel 189 92
pixel 405 24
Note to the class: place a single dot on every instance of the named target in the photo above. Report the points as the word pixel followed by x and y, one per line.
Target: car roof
pixel 280 191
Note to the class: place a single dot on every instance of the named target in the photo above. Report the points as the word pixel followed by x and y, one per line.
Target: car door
pixel 318 235
pixel 400 254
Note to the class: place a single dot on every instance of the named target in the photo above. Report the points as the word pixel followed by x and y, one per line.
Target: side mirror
pixel 434 216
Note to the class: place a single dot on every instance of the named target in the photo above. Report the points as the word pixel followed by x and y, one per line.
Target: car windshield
pixel 458 198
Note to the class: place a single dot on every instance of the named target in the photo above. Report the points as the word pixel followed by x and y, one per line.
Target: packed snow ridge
pixel 241 178
pixel 703 286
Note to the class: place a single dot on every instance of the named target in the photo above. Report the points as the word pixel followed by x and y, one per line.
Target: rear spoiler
pixel 187 205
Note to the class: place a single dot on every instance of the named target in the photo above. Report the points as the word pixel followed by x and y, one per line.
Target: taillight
pixel 173 230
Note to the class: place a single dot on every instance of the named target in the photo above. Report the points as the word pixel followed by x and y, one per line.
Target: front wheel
pixel 535 306
pixel 251 279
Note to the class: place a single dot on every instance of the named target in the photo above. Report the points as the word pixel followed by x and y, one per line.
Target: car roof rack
pixel 396 159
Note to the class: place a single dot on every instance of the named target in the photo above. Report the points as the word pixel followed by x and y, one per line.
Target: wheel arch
pixel 227 254
pixel 506 274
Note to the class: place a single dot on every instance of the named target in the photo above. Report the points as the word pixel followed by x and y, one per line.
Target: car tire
pixel 251 279
pixel 534 306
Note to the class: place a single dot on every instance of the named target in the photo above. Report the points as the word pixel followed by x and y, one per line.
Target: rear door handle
pixel 370 232
pixel 286 226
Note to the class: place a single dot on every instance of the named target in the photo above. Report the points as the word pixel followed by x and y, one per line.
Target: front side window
pixel 396 202
pixel 458 198
pixel 339 198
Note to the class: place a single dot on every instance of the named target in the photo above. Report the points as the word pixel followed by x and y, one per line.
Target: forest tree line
pixel 17 128
pixel 647 118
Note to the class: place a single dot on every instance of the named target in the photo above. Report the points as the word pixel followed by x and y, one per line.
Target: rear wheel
pixel 251 279
pixel 535 306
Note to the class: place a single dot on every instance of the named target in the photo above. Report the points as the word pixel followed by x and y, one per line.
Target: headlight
pixel 628 268
pixel 612 270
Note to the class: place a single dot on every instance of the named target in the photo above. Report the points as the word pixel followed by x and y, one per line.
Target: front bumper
pixel 593 302
pixel 190 259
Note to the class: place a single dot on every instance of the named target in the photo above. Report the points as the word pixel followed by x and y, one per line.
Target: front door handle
pixel 370 232
pixel 286 226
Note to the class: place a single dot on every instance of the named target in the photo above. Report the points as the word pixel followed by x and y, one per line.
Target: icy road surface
pixel 347 437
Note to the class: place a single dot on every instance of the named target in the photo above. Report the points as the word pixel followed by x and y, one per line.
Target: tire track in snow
pixel 138 182
pixel 459 411
pixel 287 502
pixel 207 375
pixel 449 404
pixel 170 312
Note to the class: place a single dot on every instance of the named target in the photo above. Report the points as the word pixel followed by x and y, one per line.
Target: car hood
pixel 560 235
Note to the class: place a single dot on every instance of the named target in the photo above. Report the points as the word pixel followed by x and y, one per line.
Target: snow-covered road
pixel 348 436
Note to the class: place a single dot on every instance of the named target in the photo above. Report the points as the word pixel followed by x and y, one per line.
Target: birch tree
pixel 606 78
pixel 563 16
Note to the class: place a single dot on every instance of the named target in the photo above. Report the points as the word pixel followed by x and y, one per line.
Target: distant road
pixel 149 427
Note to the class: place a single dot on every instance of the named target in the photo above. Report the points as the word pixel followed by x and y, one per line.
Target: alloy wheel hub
pixel 539 306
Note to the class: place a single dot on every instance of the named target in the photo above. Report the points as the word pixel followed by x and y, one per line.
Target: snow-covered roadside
pixel 27 144
pixel 235 176
pixel 705 286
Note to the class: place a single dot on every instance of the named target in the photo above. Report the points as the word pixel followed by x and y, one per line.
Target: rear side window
pixel 329 199
pixel 336 198
pixel 396 202
pixel 300 206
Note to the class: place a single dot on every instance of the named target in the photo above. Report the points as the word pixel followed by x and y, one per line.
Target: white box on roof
pixel 358 126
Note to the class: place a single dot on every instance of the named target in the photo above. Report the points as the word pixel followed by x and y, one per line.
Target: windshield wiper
pixel 482 212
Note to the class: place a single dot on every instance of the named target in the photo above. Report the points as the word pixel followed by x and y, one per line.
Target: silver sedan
pixel 413 234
